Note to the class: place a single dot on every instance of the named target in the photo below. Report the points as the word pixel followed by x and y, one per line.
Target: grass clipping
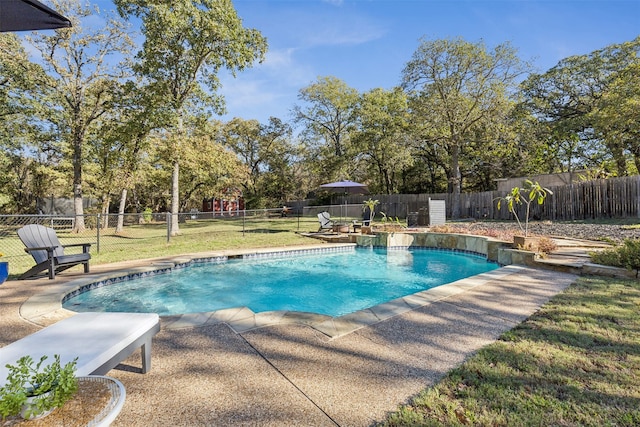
pixel 576 362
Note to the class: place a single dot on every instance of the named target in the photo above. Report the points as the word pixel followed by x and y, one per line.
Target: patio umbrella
pixel 27 15
pixel 344 188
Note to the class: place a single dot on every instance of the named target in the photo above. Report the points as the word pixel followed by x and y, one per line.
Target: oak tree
pixel 186 44
pixel 461 88
pixel 81 79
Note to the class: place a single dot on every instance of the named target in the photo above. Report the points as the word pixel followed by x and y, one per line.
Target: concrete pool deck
pixel 288 374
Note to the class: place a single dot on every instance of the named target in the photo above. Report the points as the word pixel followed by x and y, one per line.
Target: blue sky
pixel 367 43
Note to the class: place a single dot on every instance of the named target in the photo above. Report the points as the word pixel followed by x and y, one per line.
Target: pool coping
pixel 45 307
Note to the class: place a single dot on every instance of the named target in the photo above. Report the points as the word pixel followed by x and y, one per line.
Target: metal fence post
pixel 244 216
pixel 98 225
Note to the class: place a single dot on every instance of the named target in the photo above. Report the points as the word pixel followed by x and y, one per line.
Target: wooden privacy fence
pixel 596 199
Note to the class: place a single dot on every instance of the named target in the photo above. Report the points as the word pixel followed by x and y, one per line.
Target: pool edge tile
pixel 46 307
pixel 391 309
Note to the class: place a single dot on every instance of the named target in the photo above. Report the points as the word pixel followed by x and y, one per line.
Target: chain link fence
pixel 131 236
pixel 149 235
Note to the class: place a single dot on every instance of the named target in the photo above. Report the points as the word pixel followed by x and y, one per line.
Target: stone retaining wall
pixel 495 250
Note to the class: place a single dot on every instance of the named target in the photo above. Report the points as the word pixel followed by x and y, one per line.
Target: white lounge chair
pixel 48 253
pixel 100 341
pixel 325 221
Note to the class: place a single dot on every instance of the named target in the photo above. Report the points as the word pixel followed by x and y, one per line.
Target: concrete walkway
pixel 294 375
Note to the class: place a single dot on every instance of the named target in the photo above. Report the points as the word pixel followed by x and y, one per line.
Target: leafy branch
pixel 531 192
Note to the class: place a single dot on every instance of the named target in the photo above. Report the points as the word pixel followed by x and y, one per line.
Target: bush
pixel 626 255
pixel 147 215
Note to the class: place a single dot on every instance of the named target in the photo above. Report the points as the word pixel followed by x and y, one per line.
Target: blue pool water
pixel 330 283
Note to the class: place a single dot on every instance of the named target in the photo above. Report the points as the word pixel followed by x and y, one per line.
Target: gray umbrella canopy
pixel 28 15
pixel 345 187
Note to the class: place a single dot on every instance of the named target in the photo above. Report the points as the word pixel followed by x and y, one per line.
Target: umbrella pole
pixel 343 219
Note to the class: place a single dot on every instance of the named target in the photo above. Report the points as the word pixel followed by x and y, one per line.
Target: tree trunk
pixel 175 199
pixel 123 202
pixel 105 213
pixel 78 208
pixel 636 158
pixel 454 181
pixel 619 158
pixel 137 204
pixel 175 177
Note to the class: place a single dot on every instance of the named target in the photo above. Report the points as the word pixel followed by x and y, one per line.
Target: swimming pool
pixel 332 284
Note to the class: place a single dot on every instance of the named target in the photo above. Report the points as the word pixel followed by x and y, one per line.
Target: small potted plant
pixel 532 191
pixel 34 390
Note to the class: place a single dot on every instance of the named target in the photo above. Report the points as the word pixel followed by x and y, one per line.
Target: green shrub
pixel 147 215
pixel 626 255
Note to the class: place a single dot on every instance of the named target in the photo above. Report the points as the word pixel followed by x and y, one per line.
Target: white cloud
pixel 301 41
pixel 247 93
pixel 324 25
pixel 283 66
pixel 353 34
pixel 342 29
pixel 267 89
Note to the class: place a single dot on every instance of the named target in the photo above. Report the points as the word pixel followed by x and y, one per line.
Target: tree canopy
pixel 186 44
pixel 463 93
pixel 327 117
pixel 88 119
pixel 583 106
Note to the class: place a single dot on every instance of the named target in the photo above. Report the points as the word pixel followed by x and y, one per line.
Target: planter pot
pixel 29 409
pixel 525 243
pixel 4 271
pixel 99 411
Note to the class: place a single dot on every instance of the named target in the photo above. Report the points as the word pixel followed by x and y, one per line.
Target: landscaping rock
pixel 611 233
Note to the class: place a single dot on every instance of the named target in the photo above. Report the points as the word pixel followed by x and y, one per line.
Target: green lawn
pixel 576 362
pixel 202 236
pixel 150 240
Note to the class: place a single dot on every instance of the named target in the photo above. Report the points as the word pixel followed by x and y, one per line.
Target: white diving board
pixel 100 341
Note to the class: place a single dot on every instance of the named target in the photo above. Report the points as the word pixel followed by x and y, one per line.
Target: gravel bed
pixel 596 232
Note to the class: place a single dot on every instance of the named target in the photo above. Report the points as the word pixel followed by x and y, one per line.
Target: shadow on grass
pixel 125 237
pixel 264 231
